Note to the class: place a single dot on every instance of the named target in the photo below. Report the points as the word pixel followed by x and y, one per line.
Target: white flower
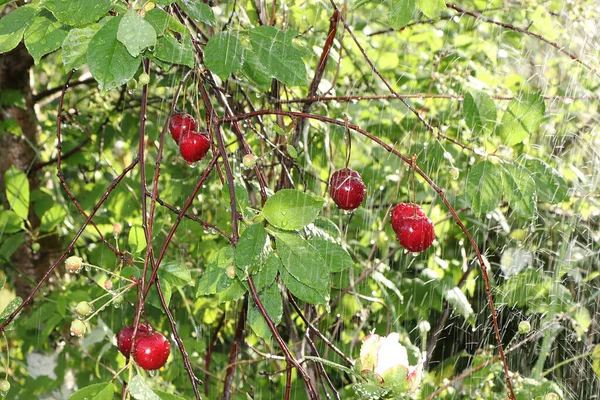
pixel 388 359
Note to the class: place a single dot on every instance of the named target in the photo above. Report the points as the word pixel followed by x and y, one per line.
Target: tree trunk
pixel 16 151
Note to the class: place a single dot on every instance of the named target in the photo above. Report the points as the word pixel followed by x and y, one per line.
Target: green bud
pixel 524 327
pixel 131 84
pixel 4 387
pixel 249 161
pixel 77 328
pixel 74 264
pixel 83 308
pixel 144 79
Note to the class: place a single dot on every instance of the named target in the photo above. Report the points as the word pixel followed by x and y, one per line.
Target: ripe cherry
pixel 180 125
pixel 194 146
pixel 151 351
pixel 414 230
pixel 404 210
pixel 125 336
pixel 347 189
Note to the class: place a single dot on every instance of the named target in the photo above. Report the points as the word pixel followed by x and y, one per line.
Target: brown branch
pixel 49 92
pixel 418 96
pixel 436 188
pixel 318 333
pixel 524 31
pixel 235 350
pixel 208 356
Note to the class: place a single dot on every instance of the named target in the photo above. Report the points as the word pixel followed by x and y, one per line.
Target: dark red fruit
pixel 125 336
pixel 347 189
pixel 151 351
pixel 181 124
pixel 413 229
pixel 194 146
pixel 404 210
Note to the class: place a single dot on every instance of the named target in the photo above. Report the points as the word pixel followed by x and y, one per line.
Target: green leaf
pixel 292 209
pixel 170 50
pixel 199 11
pixel 255 71
pixel 519 188
pixel 291 150
pixel 75 46
pixel 80 12
pixel 137 239
pixel 401 12
pixel 582 320
pixel 480 112
pixel 44 35
pixel 431 8
pixel 459 302
pixel 267 273
pixel 109 61
pixel 54 216
pixel 11 308
pixel 241 196
pixel 271 300
pixel 551 187
pixel 140 390
pixel 13 25
pixel 167 396
pixel 10 222
pixel 11 244
pixel 336 258
pixel 162 21
pixel 176 273
pixel 250 250
pixel 17 191
pixel 596 360
pixel 279 56
pixel 98 391
pixel 522 118
pixel 215 279
pixel 484 188
pixel 304 271
pixel 223 54
pixel 135 33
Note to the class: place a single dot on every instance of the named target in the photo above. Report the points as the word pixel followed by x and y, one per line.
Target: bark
pixel 16 151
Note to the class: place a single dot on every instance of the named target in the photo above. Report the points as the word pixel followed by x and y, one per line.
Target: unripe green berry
pixel 74 264
pixel 131 84
pixel 35 247
pixel 144 79
pixel 4 387
pixel 77 328
pixel 249 161
pixel 454 172
pixel 524 327
pixel 230 272
pixel 83 308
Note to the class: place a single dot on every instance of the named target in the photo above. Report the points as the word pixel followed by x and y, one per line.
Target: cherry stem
pixel 348 141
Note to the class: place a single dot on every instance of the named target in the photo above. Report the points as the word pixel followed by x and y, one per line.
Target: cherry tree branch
pixel 435 187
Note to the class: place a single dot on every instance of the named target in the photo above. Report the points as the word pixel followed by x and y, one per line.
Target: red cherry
pixel 347 189
pixel 125 336
pixel 416 233
pixel 151 351
pixel 404 210
pixel 181 124
pixel 194 146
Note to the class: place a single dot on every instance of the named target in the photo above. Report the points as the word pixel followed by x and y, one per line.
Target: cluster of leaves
pixel 518 186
